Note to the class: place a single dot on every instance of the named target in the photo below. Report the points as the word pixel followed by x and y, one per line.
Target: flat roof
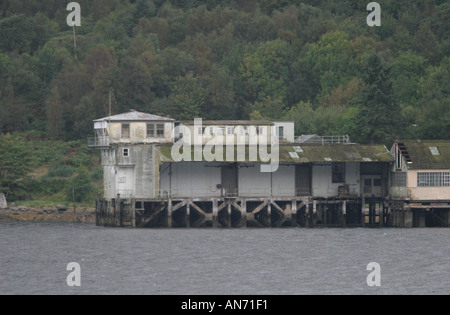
pixel 300 154
pixel 134 116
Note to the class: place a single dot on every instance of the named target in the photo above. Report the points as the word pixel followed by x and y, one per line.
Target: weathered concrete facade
pixel 320 184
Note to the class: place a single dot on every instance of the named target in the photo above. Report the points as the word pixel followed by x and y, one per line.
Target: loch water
pixel 251 261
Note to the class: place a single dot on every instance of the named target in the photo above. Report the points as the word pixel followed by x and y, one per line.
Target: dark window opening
pixel 338 173
pixel 126 131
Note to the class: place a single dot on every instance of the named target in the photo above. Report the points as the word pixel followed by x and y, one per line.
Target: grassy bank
pixel 57 172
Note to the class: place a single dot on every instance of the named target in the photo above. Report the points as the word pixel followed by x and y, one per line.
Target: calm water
pixel 34 257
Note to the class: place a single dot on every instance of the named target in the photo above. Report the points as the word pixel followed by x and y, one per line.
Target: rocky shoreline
pixel 47 214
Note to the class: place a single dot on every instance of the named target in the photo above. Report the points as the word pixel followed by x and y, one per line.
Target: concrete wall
pixel 187 179
pixel 221 134
pixel 288 130
pixel 322 185
pixel 131 176
pixel 253 183
pixel 138 132
pixel 426 193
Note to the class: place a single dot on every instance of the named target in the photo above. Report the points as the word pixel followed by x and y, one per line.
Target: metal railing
pixel 235 193
pixel 97 142
pixel 323 140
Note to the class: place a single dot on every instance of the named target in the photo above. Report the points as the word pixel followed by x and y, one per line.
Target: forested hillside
pixel 299 60
pixel 315 62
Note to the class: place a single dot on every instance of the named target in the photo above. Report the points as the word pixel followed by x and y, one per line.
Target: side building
pixel 420 189
pixel 329 182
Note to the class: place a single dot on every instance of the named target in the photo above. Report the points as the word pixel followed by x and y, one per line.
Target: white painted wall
pixel 253 183
pixel 190 180
pixel 283 181
pixel 322 185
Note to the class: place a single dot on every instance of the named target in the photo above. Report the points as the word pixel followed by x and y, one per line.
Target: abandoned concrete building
pixel 317 181
pixel 420 189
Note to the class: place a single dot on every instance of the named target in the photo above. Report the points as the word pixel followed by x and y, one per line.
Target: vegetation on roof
pixel 305 153
pixel 423 158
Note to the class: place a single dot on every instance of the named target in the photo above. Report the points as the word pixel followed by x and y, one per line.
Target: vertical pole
pixel 269 213
pixel 244 213
pixel 188 215
pixel 229 213
pixel 344 213
pixel 133 213
pixel 169 213
pixel 294 212
pixel 381 219
pixel 74 43
pixel 363 206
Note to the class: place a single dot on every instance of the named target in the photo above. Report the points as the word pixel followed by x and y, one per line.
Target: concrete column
pixel 244 213
pixel 421 218
pixel 188 213
pixel 229 214
pixel 363 216
pixel 381 217
pixel 294 212
pixel 169 213
pixel 408 219
pixel 215 213
pixel 344 213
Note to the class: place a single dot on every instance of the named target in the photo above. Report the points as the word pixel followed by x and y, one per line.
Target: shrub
pixel 60 171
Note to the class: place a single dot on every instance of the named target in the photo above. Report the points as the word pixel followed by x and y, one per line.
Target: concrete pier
pixel 266 212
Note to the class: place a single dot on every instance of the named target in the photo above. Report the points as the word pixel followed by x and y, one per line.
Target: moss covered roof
pixel 294 154
pixel 428 154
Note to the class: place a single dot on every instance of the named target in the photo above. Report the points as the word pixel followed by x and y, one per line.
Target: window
pixel 220 131
pixel 160 130
pixel 150 130
pixel 230 130
pixel 338 172
pixel 377 182
pixel 155 130
pixel 399 179
pixel 280 132
pixel 126 152
pixel 437 179
pixel 125 131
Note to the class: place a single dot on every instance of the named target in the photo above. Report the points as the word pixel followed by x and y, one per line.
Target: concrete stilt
pixel 188 213
pixel 344 213
pixel 215 213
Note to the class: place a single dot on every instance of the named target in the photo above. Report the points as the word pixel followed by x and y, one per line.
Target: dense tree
pixel 378 119
pixel 238 59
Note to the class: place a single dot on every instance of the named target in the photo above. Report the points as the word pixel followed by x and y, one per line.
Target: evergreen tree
pixel 378 119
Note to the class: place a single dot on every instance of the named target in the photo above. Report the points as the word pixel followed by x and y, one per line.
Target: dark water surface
pixel 34 258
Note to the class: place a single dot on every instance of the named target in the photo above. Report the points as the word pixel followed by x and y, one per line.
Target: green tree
pixel 433 110
pixel 188 97
pixel 266 71
pixel 378 119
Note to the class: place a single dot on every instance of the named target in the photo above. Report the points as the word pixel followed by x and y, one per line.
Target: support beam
pixel 343 214
pixel 169 214
pixel 215 215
